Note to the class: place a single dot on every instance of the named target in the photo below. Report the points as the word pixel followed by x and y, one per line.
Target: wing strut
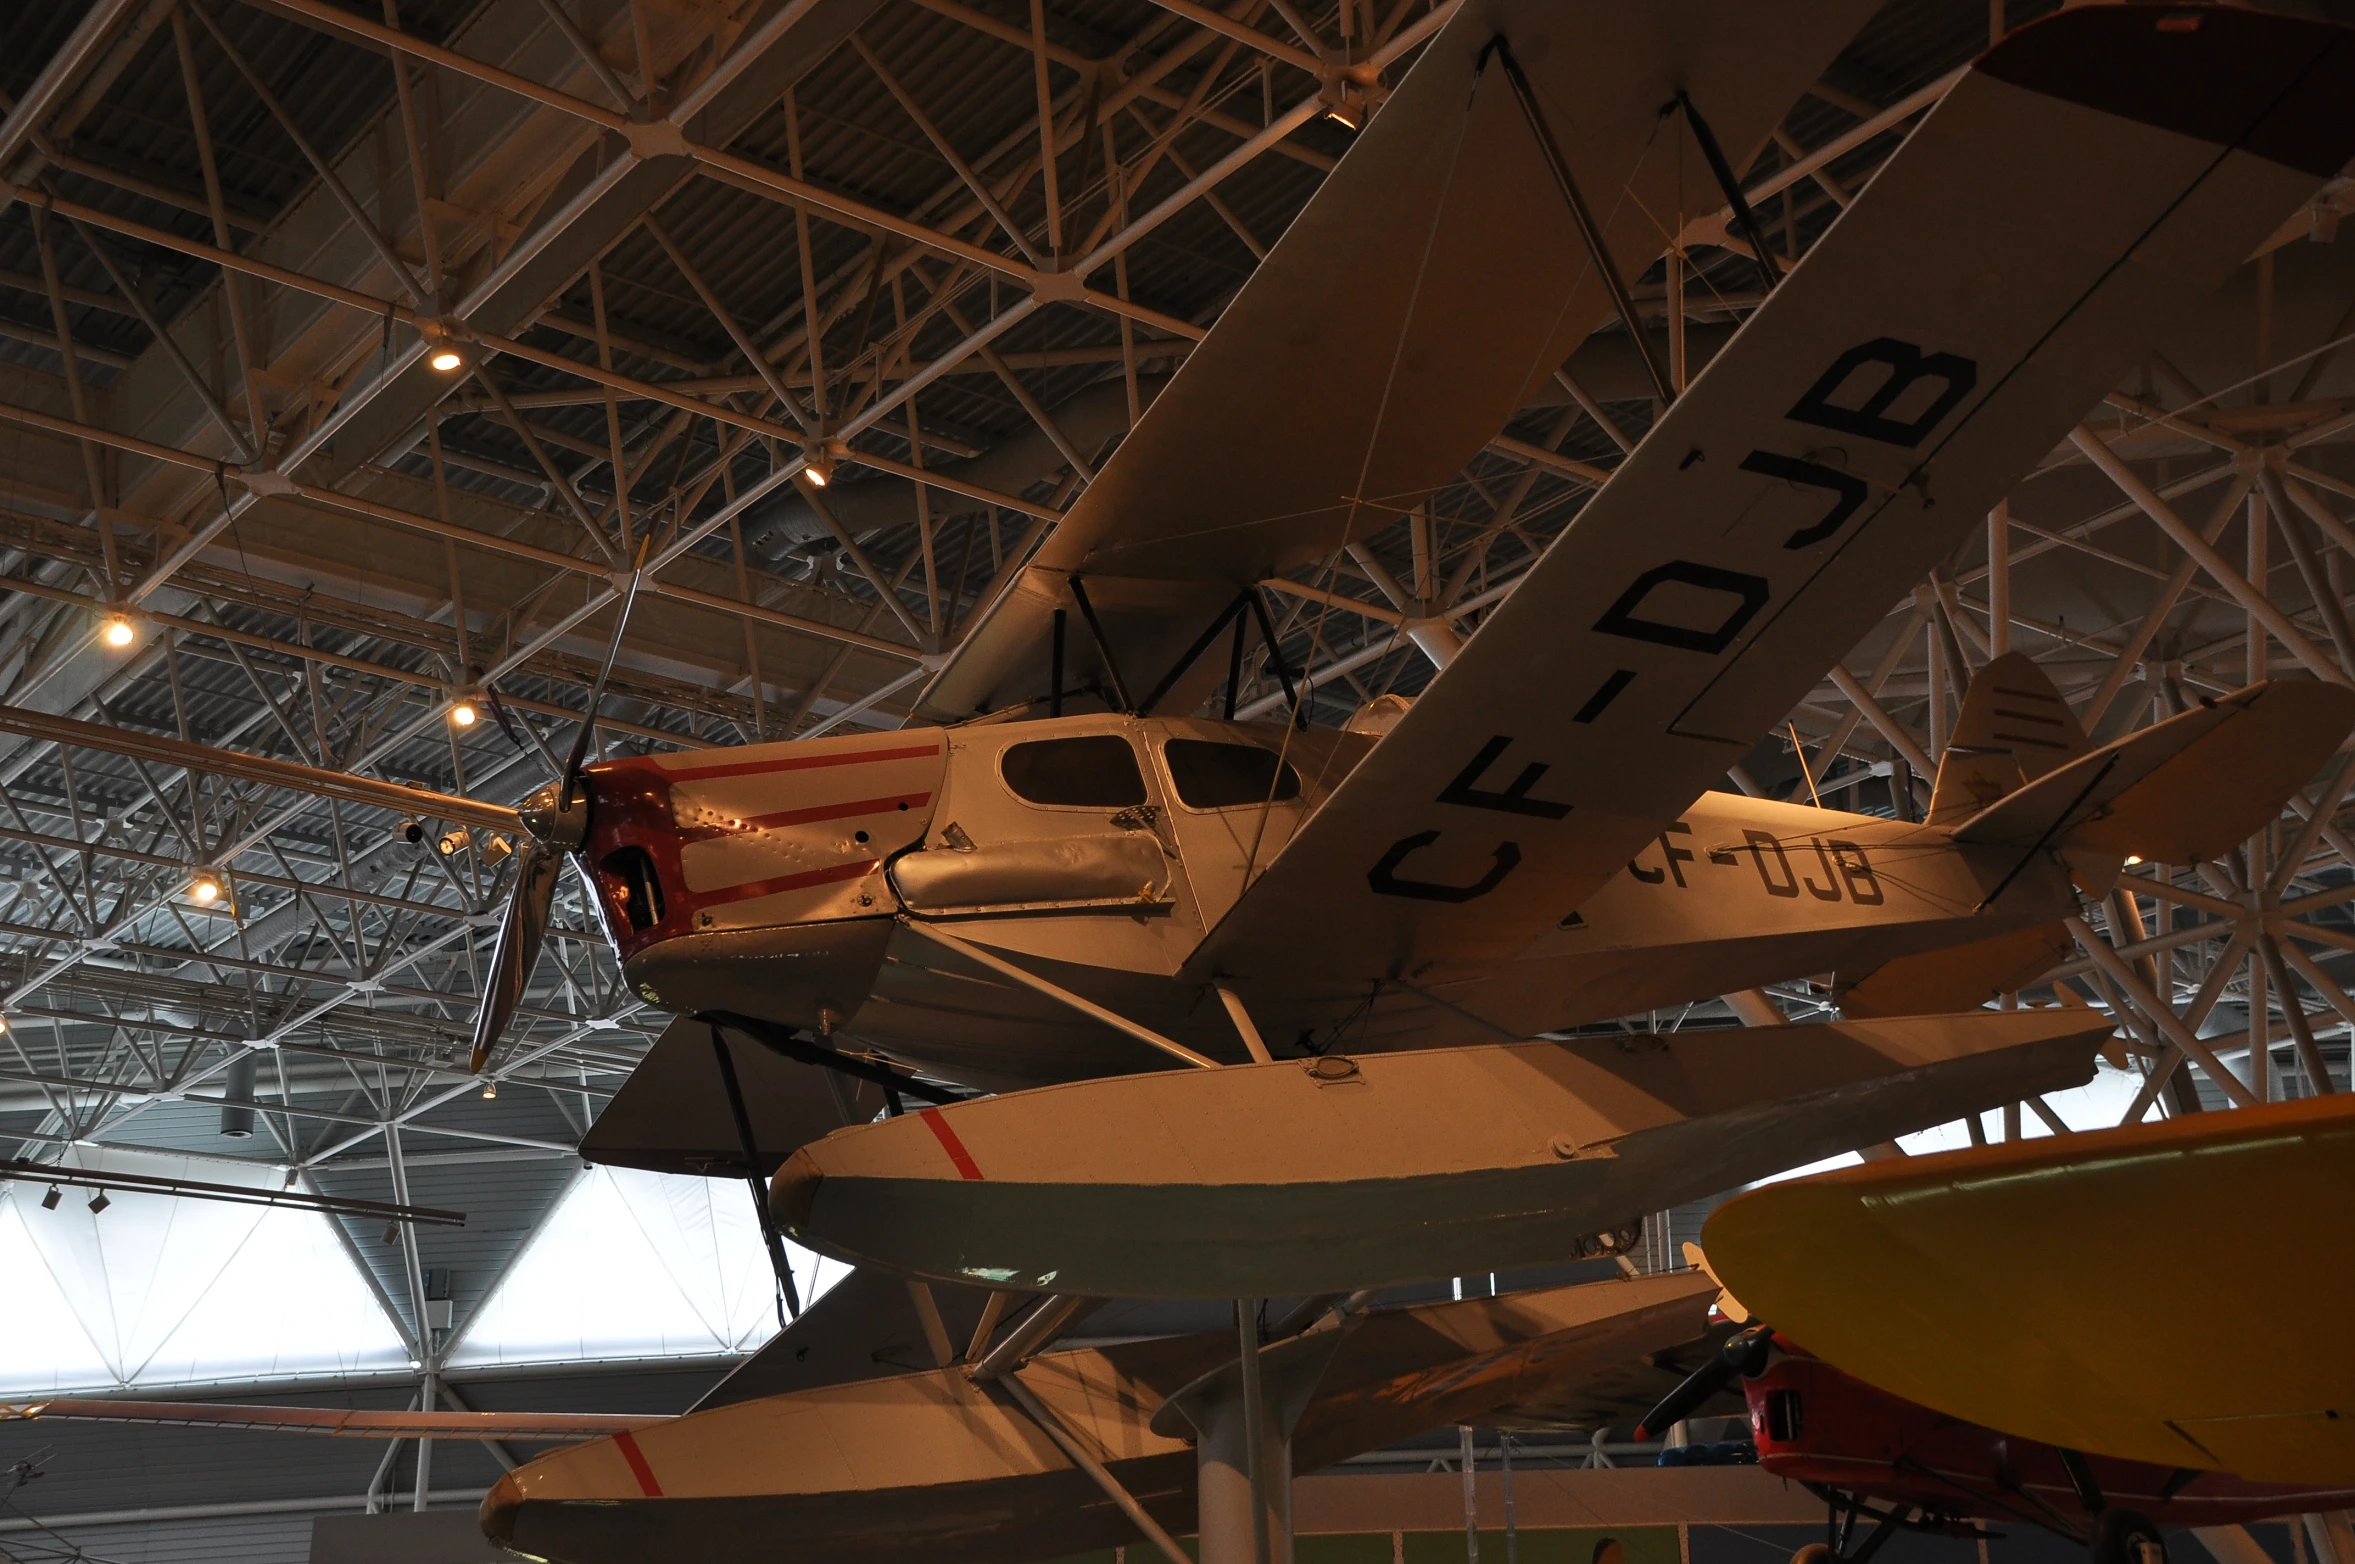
pixel 1744 218
pixel 1087 611
pixel 1275 657
pixel 788 1296
pixel 1502 48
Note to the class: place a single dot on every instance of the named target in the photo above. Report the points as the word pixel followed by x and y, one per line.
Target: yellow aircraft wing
pixel 2168 1292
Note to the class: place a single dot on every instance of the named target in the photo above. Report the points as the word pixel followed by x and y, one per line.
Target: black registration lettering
pixel 1905 365
pixel 1848 491
pixel 1761 842
pixel 1515 799
pixel 1749 594
pixel 1830 890
pixel 1673 853
pixel 1384 880
pixel 1864 888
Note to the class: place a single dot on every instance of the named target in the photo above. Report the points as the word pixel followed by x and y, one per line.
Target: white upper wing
pixel 2095 174
pixel 1429 285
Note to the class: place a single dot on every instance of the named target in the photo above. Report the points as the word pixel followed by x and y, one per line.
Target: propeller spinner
pixel 557 816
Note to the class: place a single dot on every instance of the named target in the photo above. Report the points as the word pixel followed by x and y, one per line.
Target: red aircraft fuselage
pixel 1815 1425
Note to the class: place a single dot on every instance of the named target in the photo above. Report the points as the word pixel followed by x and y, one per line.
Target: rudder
pixel 2013 728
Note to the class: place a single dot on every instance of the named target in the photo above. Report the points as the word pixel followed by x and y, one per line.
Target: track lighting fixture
pixel 50 1200
pixel 99 1202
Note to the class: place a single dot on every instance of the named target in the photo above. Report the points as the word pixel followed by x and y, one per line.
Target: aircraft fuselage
pixel 788 882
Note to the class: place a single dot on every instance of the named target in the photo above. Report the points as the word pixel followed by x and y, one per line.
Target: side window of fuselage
pixel 1211 775
pixel 1098 771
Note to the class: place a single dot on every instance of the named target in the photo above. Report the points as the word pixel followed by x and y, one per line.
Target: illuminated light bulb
pixel 2132 859
pixel 118 631
pixel 205 888
pixel 490 1091
pixel 818 467
pixel 462 714
pixel 446 360
pixel 3 1025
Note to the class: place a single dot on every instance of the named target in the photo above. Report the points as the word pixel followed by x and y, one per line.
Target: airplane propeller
pixel 558 819
pixel 1742 1357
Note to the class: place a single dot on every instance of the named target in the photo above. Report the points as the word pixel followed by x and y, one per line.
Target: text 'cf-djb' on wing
pixel 2090 178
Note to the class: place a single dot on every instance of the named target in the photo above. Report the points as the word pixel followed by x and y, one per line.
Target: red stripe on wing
pixel 967 1168
pixel 638 1467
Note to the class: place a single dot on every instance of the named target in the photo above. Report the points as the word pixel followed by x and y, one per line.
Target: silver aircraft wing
pixel 1426 289
pixel 2091 177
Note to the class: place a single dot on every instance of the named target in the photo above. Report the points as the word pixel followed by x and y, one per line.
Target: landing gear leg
pixel 2122 1536
pixel 1840 1529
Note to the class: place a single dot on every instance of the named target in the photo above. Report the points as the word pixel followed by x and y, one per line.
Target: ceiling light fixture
pixel 118 632
pixel 50 1200
pixel 204 887
pixel 462 712
pixel 2132 859
pixel 99 1202
pixel 490 1091
pixel 447 360
pixel 817 465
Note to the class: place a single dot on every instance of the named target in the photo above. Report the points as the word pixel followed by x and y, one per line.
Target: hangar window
pixel 1220 776
pixel 1096 772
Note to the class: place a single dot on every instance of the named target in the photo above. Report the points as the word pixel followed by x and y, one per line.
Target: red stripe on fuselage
pixel 638 1467
pixel 862 806
pixel 749 768
pixel 967 1168
pixel 789 882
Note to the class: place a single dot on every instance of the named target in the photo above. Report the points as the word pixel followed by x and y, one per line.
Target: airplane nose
pixel 498 1510
pixel 794 1191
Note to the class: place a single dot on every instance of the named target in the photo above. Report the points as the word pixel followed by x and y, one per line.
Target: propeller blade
pixel 518 949
pixel 1742 1354
pixel 580 743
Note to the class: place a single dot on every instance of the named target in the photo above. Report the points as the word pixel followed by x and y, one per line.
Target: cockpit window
pixel 1097 772
pixel 1210 775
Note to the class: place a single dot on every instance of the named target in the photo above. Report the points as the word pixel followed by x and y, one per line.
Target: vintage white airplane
pixel 1531 845
pixel 1031 896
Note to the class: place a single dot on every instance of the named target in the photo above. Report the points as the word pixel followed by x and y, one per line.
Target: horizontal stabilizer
pixel 1331 1174
pixel 2184 790
pixel 1956 977
pixel 672 1115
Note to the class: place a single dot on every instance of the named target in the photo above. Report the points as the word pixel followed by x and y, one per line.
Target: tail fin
pixel 2183 790
pixel 2013 728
